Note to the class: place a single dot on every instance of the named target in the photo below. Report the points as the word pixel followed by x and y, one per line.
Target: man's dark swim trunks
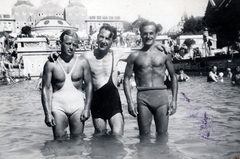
pixel 106 100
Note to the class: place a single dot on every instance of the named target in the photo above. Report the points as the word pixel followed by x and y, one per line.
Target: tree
pixel 189 42
pixel 159 27
pixel 127 26
pixel 193 25
pixel 224 20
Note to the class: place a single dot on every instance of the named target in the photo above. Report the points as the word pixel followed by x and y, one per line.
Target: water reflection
pixel 74 146
pixel 107 146
pixel 153 147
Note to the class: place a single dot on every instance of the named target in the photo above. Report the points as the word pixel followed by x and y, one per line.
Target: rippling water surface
pixel 206 125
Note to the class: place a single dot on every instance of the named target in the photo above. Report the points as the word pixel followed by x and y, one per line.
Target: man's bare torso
pixel 150 66
pixel 101 69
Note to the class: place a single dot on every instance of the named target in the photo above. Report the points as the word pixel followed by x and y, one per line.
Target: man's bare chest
pixel 101 66
pixel 152 60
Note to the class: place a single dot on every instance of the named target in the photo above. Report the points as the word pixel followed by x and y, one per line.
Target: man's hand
pixel 163 48
pixel 53 56
pixel 132 110
pixel 49 120
pixel 85 115
pixel 172 108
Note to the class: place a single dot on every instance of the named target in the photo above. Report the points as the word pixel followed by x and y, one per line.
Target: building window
pixel 91 17
pixel 60 22
pixel 117 17
pixel 99 17
pixel 110 17
pixel 46 22
pixel 105 17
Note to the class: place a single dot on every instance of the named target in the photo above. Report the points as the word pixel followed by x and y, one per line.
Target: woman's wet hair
pixel 112 29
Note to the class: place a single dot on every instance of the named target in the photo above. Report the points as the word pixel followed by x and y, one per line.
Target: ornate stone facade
pixel 25 13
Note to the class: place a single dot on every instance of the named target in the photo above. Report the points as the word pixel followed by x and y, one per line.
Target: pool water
pixel 206 125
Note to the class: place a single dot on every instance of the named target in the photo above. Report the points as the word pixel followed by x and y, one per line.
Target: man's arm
pixel 127 86
pixel 46 94
pixel 88 90
pixel 166 49
pixel 187 78
pixel 123 55
pixel 174 85
pixel 213 76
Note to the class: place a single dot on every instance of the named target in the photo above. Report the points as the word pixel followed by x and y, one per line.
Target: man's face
pixel 148 34
pixel 104 40
pixel 69 45
pixel 214 69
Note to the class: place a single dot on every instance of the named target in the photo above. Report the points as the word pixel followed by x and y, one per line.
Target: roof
pixel 137 22
pixel 52 21
pixel 76 4
pixel 23 2
pixel 52 17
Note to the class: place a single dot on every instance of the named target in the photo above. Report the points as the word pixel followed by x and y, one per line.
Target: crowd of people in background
pixel 214 76
pixel 9 58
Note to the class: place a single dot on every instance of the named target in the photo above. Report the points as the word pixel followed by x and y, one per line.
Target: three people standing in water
pixel 99 69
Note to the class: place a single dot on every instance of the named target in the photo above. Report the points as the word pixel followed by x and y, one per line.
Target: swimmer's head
pixel 214 68
pixel 228 69
pixel 220 74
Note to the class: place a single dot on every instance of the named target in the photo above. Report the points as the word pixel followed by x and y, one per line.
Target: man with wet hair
pixel 149 65
pixel 106 104
pixel 62 97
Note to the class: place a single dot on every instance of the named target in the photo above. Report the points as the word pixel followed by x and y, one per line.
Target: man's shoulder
pixel 50 64
pixel 118 51
pixel 135 53
pixel 88 54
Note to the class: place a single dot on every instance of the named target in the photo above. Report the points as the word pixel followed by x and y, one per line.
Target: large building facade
pixel 93 23
pixel 7 23
pixel 24 13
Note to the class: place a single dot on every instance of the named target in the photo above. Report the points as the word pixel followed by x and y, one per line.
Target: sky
pixel 165 12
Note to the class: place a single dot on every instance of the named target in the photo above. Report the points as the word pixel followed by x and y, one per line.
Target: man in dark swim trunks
pixel 149 66
pixel 106 104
